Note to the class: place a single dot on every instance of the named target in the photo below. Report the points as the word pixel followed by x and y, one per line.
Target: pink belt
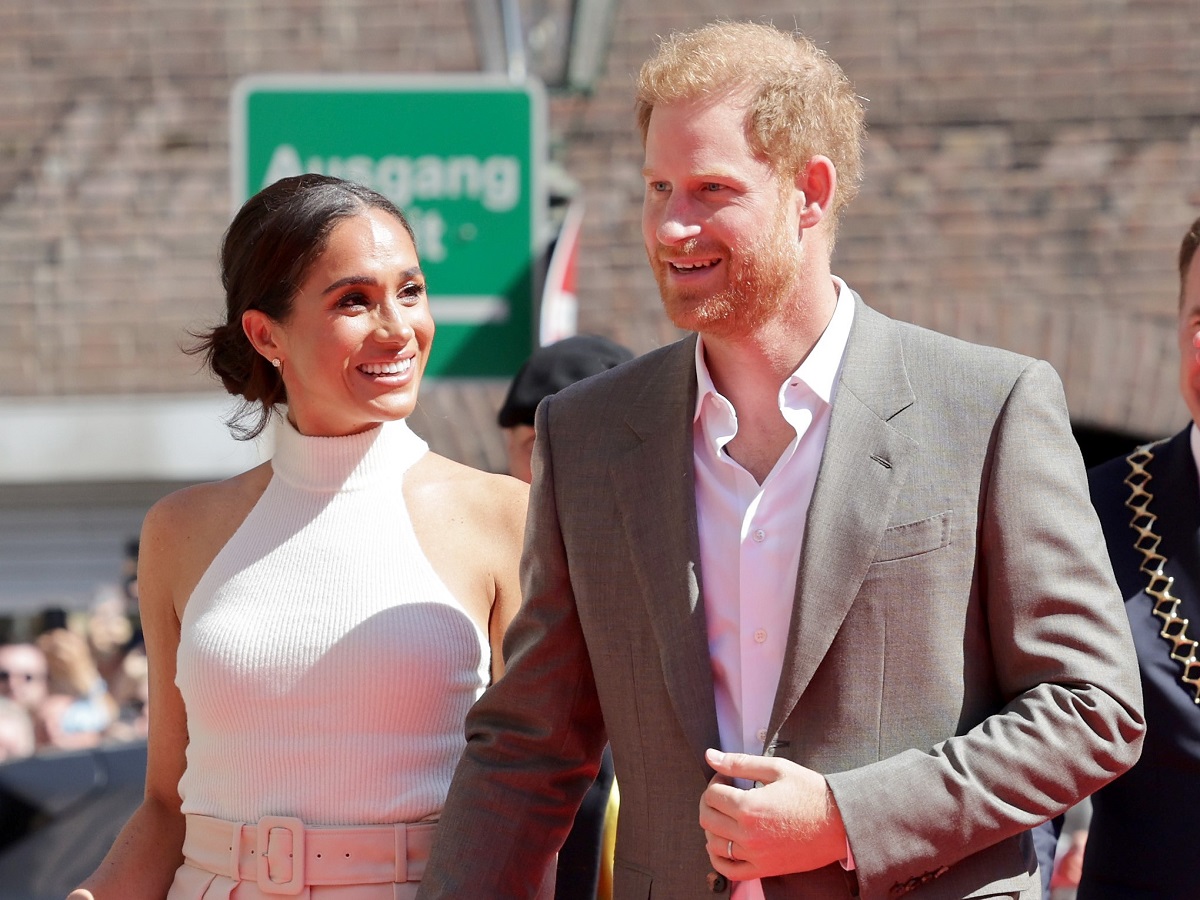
pixel 283 855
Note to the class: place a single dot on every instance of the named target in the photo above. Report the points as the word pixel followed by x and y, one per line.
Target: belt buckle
pixel 294 827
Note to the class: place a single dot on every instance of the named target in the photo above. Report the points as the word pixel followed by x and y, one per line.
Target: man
pixel 1141 842
pixel 24 675
pixel 844 561
pixel 25 681
pixel 582 871
pixel 548 370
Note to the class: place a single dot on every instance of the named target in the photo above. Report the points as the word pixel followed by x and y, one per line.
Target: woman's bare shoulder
pixel 490 499
pixel 206 505
pixel 183 532
pixel 434 469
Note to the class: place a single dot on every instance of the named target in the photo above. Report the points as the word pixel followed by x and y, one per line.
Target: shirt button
pixel 760 636
pixel 762 734
pixel 717 883
pixel 759 536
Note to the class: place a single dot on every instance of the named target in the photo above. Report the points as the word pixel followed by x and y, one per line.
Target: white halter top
pixel 325 667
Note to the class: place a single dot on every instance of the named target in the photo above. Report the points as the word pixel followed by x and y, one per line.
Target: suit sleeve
pixel 535 738
pixel 1069 716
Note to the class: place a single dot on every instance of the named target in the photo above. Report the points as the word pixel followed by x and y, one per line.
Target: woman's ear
pixel 817 181
pixel 261 331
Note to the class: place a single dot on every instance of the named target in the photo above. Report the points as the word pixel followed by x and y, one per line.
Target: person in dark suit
pixel 829 584
pixel 1142 837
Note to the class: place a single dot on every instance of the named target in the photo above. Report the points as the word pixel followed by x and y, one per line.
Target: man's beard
pixel 759 277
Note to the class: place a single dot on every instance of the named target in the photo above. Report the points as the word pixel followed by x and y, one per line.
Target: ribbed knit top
pixel 325 667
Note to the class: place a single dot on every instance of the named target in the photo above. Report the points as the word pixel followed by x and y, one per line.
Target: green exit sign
pixel 462 156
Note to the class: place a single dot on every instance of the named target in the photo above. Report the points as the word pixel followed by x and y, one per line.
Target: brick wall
pixel 1030 170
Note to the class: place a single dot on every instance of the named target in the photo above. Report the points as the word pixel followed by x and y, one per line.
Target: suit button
pixel 717 883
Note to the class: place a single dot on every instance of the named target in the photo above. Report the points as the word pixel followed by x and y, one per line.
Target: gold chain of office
pixel 1166 606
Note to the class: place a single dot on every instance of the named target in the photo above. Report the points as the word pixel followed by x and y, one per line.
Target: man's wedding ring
pixel 729 852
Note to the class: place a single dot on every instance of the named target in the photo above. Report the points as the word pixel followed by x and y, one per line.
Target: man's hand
pixel 789 824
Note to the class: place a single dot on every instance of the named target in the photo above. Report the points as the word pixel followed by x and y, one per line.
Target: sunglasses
pixel 27 677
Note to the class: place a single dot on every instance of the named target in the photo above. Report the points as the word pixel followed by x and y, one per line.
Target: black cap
pixel 551 368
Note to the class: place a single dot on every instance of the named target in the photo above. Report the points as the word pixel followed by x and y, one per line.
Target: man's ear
pixel 817 181
pixel 261 330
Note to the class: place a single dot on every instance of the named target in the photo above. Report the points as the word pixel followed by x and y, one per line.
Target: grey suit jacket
pixel 959 664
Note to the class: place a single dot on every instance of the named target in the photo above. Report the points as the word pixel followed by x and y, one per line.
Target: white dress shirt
pixel 751 536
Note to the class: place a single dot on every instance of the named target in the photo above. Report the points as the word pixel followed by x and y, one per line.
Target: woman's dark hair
pixel 265 256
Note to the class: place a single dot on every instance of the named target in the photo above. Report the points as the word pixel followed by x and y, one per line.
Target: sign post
pixel 461 156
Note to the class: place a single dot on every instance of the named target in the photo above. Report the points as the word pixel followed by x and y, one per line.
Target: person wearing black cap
pixel 548 370
pixel 582 870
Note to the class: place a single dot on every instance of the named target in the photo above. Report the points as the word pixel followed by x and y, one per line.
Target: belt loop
pixel 401 875
pixel 235 851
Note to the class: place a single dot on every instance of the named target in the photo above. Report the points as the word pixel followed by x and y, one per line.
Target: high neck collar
pixel 356 461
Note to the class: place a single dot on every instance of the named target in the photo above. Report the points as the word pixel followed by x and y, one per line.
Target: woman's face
pixel 354 347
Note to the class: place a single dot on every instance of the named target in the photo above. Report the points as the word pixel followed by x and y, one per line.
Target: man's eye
pixel 658 186
pixel 712 186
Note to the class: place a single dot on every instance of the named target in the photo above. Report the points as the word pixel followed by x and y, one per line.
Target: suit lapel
pixel 862 468
pixel 655 492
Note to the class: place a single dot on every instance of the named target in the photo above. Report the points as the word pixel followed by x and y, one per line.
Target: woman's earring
pixel 277 362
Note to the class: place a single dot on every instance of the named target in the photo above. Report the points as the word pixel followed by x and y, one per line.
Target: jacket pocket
pixel 915 538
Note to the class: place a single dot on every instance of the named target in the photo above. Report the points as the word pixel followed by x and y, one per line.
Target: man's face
pixel 1189 326
pixel 23 674
pixel 721 229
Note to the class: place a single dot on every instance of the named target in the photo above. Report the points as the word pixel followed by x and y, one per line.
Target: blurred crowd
pixel 75 680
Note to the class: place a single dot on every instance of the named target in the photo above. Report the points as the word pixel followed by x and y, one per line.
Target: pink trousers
pixel 281 857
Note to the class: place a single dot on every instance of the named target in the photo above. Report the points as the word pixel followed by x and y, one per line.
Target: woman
pixel 318 626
